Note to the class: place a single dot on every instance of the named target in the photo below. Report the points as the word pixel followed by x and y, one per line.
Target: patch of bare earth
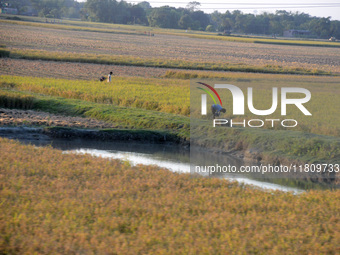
pixel 13 117
pixel 170 47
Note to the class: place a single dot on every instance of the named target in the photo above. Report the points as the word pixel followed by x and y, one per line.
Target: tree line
pixel 190 18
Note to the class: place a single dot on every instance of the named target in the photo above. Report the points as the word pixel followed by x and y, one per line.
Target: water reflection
pixel 172 157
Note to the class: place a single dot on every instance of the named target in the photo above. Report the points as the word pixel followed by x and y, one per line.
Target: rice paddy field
pixel 171 95
pixel 72 204
pixel 57 203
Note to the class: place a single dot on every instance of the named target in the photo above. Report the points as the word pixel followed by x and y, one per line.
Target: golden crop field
pixel 57 203
pixel 53 203
pixel 172 95
pixel 165 95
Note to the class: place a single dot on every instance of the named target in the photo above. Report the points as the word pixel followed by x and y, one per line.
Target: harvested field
pixel 170 47
pixel 86 71
pixel 67 70
pixel 14 117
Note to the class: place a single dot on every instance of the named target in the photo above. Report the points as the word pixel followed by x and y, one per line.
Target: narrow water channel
pixel 172 157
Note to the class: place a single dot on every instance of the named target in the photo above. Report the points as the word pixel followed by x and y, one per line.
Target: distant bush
pixel 4 53
pixel 13 18
pixel 210 28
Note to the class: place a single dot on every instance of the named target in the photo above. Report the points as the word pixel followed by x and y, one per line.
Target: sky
pixel 317 8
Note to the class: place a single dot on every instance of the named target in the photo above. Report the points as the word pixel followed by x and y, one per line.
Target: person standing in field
pixel 109 77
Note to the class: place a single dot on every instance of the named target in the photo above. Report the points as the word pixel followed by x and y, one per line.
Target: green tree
pixel 276 27
pixel 263 24
pixel 71 9
pixel 101 10
pixel 121 14
pixel 193 6
pixel 164 17
pixel 215 20
pixel 138 15
pixel 49 8
pixel 335 29
pixel 239 23
pixel 321 27
pixel 226 24
pixel 250 24
pixel 200 20
pixel 145 5
pixel 210 28
pixel 185 22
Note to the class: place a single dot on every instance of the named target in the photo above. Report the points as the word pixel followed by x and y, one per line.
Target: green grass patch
pixel 270 145
pixel 9 99
pixel 123 117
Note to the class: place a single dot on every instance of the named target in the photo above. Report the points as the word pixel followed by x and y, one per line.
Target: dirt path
pixel 13 117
